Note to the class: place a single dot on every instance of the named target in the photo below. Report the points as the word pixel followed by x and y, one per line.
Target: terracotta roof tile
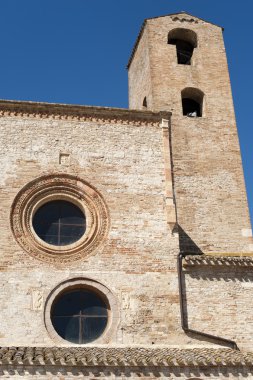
pixel 124 356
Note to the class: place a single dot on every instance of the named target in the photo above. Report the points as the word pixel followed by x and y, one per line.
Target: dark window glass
pixel 79 316
pixel 67 328
pixel 92 328
pixel 59 223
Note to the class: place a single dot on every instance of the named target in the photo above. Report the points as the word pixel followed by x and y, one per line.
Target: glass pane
pixel 45 228
pixel 65 240
pixel 92 305
pixel 68 216
pixel 49 212
pixel 50 239
pixel 79 314
pixel 92 328
pixel 70 213
pixel 73 219
pixel 68 230
pixel 67 328
pixel 68 304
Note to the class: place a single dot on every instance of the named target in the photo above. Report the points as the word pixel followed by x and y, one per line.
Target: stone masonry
pixel 209 184
pixel 155 184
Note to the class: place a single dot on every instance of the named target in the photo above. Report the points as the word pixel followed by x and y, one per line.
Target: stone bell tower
pixel 126 248
pixel 179 64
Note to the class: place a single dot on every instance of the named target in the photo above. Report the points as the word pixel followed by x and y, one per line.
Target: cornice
pixel 208 260
pixel 123 357
pixel 80 113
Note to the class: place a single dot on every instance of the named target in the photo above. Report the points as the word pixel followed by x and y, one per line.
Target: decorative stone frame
pixel 59 187
pixel 96 287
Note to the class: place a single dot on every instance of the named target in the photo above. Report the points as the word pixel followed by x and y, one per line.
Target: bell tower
pixel 179 64
pixel 123 230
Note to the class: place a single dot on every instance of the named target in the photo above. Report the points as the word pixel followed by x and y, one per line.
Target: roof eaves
pixel 136 43
pixel 138 356
pixel 239 260
pixel 80 113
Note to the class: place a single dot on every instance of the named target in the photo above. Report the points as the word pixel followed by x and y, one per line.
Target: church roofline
pixel 134 356
pixel 152 18
pixel 80 113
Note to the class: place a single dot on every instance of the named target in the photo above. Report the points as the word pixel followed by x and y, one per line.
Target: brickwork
pixel 222 304
pixel 139 233
pixel 141 70
pixel 153 185
pixel 209 184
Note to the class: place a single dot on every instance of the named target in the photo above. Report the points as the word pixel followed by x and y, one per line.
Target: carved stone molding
pixel 54 187
pixel 69 112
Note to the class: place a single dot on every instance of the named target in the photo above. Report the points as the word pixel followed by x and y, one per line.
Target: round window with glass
pixel 59 222
pixel 59 218
pixel 79 315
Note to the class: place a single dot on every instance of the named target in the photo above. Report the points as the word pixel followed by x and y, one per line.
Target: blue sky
pixel 75 51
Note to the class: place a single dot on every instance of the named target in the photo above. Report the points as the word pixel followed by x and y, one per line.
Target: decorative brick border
pixel 59 186
pixel 76 113
pixel 97 287
pixel 221 260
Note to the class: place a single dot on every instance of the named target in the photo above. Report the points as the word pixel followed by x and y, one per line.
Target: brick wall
pixel 125 164
pixel 209 184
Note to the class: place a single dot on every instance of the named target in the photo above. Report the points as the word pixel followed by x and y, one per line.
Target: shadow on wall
pixel 186 244
pixel 243 275
pixel 213 269
pixel 192 333
pixel 148 372
pixel 239 278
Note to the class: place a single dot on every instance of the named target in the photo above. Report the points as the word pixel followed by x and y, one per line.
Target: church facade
pixel 126 244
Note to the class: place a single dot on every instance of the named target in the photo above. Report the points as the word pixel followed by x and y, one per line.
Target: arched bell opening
pixel 185 41
pixel 192 102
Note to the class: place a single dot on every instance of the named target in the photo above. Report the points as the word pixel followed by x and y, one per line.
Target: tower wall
pixel 140 83
pixel 209 184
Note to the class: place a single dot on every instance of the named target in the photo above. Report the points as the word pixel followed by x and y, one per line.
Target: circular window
pixel 79 316
pixel 59 218
pixel 59 223
pixel 80 311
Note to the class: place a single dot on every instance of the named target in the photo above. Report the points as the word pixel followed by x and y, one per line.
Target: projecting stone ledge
pixel 123 357
pixel 208 260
